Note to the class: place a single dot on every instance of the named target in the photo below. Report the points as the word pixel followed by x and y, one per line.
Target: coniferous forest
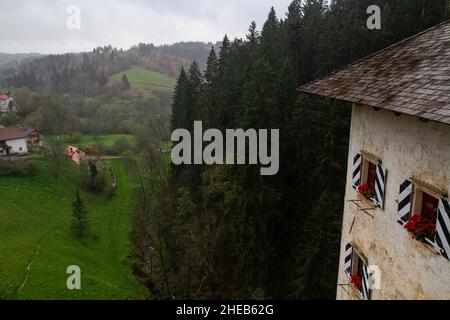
pixel 226 231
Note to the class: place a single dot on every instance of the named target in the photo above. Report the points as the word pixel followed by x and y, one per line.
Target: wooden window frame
pixel 366 159
pixel 420 187
pixel 417 197
pixel 357 258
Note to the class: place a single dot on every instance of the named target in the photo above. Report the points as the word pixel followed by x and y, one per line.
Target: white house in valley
pixel 17 140
pixel 396 222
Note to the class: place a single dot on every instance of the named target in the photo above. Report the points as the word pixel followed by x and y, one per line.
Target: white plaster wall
pixel 407 147
pixel 16 144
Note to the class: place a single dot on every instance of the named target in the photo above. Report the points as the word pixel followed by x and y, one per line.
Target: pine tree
pixel 224 48
pixel 80 222
pixel 125 82
pixel 208 103
pixel 271 38
pixel 318 253
pixel 196 80
pixel 103 80
pixel 253 34
pixel 211 67
pixel 182 102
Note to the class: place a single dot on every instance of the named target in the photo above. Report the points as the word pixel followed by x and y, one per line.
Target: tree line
pixel 87 73
pixel 227 232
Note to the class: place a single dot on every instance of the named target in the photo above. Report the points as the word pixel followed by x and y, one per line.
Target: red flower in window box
pixel 356 281
pixel 420 227
pixel 367 190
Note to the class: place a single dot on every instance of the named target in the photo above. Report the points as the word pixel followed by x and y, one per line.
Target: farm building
pixel 7 104
pixel 17 140
pixel 75 154
pixel 396 221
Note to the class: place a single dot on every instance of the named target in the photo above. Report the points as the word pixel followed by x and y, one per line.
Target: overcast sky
pixel 41 25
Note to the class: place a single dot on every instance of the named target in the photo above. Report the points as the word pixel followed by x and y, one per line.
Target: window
pixel 357 264
pixel 372 173
pixel 355 267
pixel 425 204
pixel 424 211
pixel 369 172
pixel 429 207
pixel 369 178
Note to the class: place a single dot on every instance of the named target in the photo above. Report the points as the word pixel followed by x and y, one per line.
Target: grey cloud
pixel 40 25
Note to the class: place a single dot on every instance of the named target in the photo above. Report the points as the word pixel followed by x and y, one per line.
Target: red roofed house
pixel 75 154
pixel 16 140
pixel 396 223
pixel 7 104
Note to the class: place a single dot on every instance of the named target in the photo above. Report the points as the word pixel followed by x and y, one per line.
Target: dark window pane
pixel 429 207
pixel 372 174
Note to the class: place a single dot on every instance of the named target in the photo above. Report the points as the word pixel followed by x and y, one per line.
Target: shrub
pixel 74 138
pixel 111 191
pixel 95 149
pixel 94 180
pixel 18 168
pixel 9 119
pixel 121 145
pixel 95 184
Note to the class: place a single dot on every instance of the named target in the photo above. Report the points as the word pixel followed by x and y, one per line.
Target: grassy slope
pixel 36 211
pixel 107 140
pixel 144 79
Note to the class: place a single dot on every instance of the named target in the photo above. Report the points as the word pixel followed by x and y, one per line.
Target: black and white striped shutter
pixel 357 165
pixel 365 282
pixel 443 228
pixel 348 259
pixel 405 202
pixel 380 182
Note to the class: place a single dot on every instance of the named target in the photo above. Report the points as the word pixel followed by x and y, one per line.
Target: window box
pixel 367 192
pixel 425 213
pixel 421 228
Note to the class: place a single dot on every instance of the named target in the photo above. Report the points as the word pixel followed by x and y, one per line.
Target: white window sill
pixel 432 246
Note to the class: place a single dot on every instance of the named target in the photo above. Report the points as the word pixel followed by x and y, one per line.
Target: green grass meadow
pixel 107 141
pixel 36 211
pixel 145 79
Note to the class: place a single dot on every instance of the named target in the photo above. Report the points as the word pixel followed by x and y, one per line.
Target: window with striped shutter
pixel 355 265
pixel 365 282
pixel 405 202
pixel 443 228
pixel 348 259
pixel 380 182
pixel 357 165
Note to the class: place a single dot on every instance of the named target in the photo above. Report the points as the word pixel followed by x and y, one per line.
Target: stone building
pixel 396 221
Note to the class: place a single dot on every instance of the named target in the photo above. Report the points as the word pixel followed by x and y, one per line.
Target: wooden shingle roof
pixel 411 77
pixel 14 133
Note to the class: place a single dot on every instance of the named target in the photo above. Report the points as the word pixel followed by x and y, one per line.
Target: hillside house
pixel 18 140
pixel 75 154
pixel 398 175
pixel 7 104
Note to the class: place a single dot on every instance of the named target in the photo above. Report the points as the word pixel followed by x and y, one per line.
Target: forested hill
pixel 227 232
pixel 87 73
pixel 10 61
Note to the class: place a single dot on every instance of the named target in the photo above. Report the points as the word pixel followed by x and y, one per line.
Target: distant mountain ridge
pixel 86 73
pixel 11 60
